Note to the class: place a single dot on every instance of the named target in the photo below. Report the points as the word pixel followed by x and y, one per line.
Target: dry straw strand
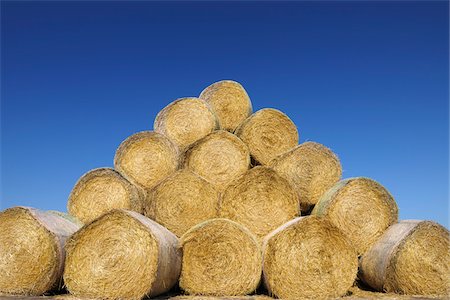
pixel 122 255
pixel 32 250
pixel 219 157
pixel 146 158
pixel 220 258
pixel 308 258
pixel 101 190
pixel 230 102
pixel 185 121
pixel 252 297
pixel 181 201
pixel 361 208
pixel 411 257
pixel 261 200
pixel 311 168
pixel 268 133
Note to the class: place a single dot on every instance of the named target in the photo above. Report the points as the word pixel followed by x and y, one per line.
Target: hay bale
pixel 121 255
pixel 411 257
pixel 181 201
pixel 361 208
pixel 261 200
pixel 268 133
pixel 219 157
pixel 32 250
pixel 146 158
pixel 220 258
pixel 252 297
pixel 311 168
pixel 101 190
pixel 185 121
pixel 308 258
pixel 230 102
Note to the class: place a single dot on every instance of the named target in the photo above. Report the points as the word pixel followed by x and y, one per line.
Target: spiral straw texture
pixel 32 250
pixel 146 158
pixel 411 257
pixel 311 168
pixel 219 157
pixel 260 200
pixel 308 258
pixel 361 208
pixel 268 133
pixel 181 201
pixel 185 121
pixel 220 258
pixel 122 255
pixel 230 102
pixel 101 190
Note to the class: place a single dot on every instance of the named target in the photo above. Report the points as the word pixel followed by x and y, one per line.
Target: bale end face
pixel 261 200
pixel 31 256
pixel 146 158
pixel 268 133
pixel 121 255
pixel 220 258
pixel 219 157
pixel 99 191
pixel 185 121
pixel 308 258
pixel 412 257
pixel 181 201
pixel 229 101
pixel 361 208
pixel 311 168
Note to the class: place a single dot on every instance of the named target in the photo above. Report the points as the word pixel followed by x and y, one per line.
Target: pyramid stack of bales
pixel 222 202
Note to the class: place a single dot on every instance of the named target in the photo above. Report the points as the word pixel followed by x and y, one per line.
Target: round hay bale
pixel 181 201
pixel 146 158
pixel 230 102
pixel 268 133
pixel 311 168
pixel 261 200
pixel 361 208
pixel 411 257
pixel 220 258
pixel 32 250
pixel 99 191
pixel 121 255
pixel 185 121
pixel 308 258
pixel 219 157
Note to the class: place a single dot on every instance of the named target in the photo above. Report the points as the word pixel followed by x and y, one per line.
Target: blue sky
pixel 368 79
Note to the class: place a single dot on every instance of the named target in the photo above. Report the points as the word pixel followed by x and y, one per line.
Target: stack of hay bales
pixel 222 200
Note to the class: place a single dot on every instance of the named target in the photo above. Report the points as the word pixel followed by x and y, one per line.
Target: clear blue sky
pixel 368 79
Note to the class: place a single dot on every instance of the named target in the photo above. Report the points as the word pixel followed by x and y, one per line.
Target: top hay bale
pixel 311 168
pixel 146 158
pixel 121 255
pixel 185 121
pixel 268 133
pixel 101 190
pixel 230 102
pixel 308 258
pixel 220 157
pixel 411 257
pixel 361 208
pixel 32 250
pixel 261 200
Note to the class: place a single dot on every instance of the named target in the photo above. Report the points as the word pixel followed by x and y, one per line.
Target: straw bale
pixel 268 133
pixel 361 208
pixel 230 102
pixel 122 255
pixel 185 121
pixel 220 258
